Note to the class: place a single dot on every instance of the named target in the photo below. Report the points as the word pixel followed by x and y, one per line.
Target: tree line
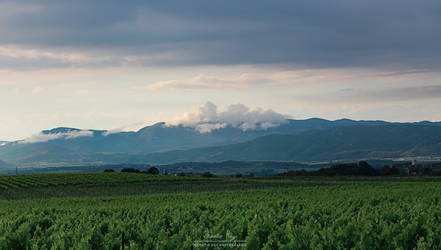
pixel 363 168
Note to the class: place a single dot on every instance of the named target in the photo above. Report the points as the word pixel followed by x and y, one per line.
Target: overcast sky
pixel 112 64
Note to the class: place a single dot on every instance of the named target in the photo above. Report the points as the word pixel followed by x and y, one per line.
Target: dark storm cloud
pixel 337 33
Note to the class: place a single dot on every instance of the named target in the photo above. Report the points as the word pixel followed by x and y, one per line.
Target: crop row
pixel 41 180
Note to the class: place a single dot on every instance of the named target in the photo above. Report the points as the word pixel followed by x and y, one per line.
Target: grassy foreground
pixel 361 215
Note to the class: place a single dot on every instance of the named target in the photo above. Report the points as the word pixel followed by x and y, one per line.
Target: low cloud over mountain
pixel 207 118
pixel 293 140
pixel 45 136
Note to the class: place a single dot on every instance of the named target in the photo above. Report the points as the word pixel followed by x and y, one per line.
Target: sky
pixel 126 64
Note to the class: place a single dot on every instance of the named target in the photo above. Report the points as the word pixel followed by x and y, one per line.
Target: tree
pixel 152 170
pixel 207 174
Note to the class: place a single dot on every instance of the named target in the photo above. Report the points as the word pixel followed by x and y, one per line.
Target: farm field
pixel 294 215
pixel 59 185
pixel 56 179
pixel 150 187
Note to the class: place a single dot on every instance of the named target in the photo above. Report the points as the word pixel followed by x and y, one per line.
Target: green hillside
pixel 352 142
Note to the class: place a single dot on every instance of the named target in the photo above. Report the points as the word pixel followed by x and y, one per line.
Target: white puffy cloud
pixel 112 131
pixel 208 127
pixel 44 137
pixel 131 127
pixel 207 118
pixel 80 133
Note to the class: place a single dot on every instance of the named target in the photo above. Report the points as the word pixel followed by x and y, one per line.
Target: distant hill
pixel 298 140
pixel 351 142
pixel 4 164
pixel 157 137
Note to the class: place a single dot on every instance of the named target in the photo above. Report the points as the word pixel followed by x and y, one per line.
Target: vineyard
pixel 363 215
pixel 42 180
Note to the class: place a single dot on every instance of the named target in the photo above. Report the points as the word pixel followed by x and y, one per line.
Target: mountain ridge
pixel 150 142
pixel 384 141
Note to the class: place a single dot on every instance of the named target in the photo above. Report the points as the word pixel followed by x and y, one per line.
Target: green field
pixel 226 213
pixel 44 180
pixel 61 185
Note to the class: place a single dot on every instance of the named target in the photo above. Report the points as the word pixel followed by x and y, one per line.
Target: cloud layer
pixel 324 33
pixel 44 137
pixel 207 118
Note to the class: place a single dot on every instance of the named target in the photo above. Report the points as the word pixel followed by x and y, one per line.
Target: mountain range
pixel 4 164
pixel 295 140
